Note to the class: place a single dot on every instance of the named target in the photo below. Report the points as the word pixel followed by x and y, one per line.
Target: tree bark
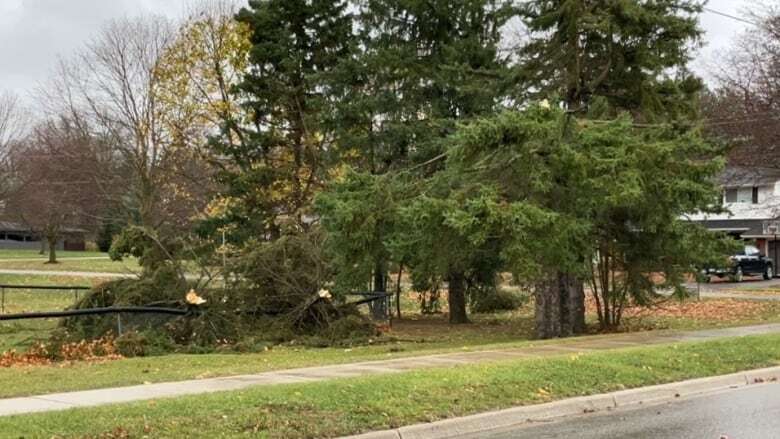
pixel 548 309
pixel 560 306
pixel 379 307
pixel 398 291
pixel 52 249
pixel 457 298
pixel 572 303
pixel 380 278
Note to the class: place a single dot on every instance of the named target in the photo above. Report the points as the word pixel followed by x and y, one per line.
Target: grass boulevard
pixel 312 219
pixel 348 406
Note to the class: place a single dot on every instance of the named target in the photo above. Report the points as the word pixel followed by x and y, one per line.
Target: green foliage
pixel 632 54
pixel 489 299
pixel 608 192
pixel 423 66
pixel 153 251
pixel 105 237
pixel 359 213
pixel 272 295
pixel 277 158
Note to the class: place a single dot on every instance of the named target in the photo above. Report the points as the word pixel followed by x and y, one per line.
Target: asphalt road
pixel 748 413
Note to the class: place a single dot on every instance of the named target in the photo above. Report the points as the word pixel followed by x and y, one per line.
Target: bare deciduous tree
pixel 52 196
pixel 743 108
pixel 110 86
pixel 13 123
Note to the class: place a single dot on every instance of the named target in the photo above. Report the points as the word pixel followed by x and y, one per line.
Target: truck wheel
pixel 769 273
pixel 738 275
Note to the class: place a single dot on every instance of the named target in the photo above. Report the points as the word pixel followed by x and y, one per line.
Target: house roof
pixel 736 176
pixel 7 226
pixel 745 228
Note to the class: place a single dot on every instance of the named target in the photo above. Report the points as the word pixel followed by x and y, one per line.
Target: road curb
pixel 575 406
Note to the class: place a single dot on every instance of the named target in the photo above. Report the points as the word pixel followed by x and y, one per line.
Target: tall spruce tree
pixel 632 54
pixel 274 159
pixel 601 58
pixel 425 67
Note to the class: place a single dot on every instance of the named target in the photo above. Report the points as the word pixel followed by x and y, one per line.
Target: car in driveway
pixel 748 262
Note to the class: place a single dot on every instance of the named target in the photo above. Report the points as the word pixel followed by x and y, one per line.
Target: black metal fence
pixel 377 303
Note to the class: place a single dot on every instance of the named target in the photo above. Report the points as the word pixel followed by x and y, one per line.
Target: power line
pixel 733 17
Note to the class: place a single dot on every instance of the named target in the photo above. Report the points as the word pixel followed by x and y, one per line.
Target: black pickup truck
pixel 748 262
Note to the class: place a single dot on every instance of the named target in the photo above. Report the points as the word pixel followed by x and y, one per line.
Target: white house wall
pixel 768 207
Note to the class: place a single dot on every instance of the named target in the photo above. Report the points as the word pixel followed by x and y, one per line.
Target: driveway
pixel 750 283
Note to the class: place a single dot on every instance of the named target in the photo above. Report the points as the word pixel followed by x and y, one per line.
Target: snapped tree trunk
pixel 457 298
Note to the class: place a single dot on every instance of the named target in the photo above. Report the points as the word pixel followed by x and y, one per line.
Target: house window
pixel 731 195
pixel 747 195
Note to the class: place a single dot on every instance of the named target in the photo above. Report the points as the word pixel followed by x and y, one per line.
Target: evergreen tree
pixel 424 67
pixel 602 58
pixel 627 190
pixel 632 54
pixel 276 158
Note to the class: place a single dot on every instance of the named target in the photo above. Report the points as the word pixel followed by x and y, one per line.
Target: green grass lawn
pixel 34 254
pixel 348 406
pixel 129 265
pixel 424 335
pixel 19 335
pixel 414 335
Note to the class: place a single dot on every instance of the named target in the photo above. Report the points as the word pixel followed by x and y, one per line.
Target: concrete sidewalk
pixel 63 401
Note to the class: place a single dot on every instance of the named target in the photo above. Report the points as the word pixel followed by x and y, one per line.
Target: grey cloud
pixel 34 32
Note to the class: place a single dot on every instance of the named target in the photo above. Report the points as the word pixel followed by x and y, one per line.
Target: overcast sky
pixel 33 33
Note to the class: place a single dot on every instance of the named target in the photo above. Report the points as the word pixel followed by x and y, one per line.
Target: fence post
pixel 118 324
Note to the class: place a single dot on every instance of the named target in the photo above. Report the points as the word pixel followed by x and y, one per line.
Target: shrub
pixel 491 299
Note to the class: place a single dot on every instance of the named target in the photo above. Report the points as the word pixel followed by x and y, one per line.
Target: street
pixel 748 413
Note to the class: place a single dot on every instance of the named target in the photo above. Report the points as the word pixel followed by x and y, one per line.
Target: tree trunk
pixel 43 246
pixel 457 298
pixel 548 310
pixel 572 302
pixel 398 291
pixel 52 249
pixel 378 308
pixel 560 306
pixel 380 278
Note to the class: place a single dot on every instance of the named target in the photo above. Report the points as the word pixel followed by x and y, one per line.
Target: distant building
pixel 752 198
pixel 14 236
